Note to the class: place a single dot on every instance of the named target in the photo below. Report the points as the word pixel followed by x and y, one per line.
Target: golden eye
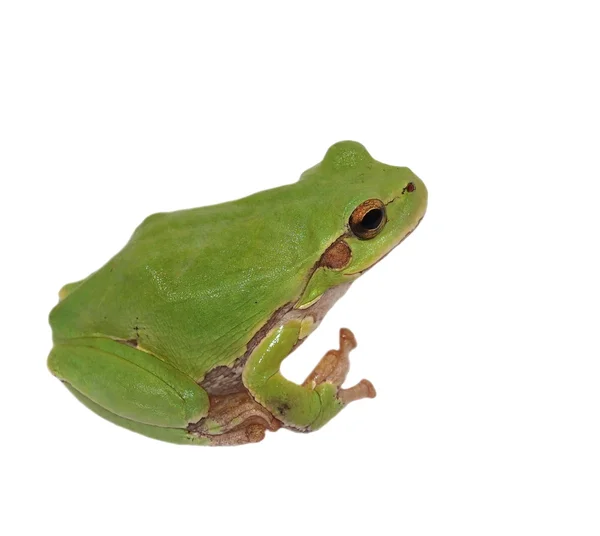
pixel 368 219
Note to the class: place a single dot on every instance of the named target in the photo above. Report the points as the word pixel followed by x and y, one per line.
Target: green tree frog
pixel 181 335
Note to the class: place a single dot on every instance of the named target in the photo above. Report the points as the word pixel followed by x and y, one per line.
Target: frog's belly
pixel 224 380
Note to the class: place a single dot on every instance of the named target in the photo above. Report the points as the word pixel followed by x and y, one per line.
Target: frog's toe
pixel 333 368
pixel 335 364
pixel 363 389
pixel 347 341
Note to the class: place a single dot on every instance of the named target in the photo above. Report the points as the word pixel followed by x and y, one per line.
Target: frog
pixel 181 335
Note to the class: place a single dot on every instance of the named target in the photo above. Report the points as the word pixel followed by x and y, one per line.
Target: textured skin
pixel 141 387
pixel 192 288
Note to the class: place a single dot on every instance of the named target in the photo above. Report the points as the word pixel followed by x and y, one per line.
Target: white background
pixel 481 332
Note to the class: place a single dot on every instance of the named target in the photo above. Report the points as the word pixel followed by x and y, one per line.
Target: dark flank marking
pixel 130 342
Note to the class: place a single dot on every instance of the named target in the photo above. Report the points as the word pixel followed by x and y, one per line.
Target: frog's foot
pixel 234 419
pixel 334 367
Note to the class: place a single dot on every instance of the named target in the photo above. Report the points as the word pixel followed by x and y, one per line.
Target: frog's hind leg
pixel 129 386
pixel 234 419
pixel 171 435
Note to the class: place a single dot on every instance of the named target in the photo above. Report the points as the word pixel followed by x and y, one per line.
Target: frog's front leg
pixel 308 406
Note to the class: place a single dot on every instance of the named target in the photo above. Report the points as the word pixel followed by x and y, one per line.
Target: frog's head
pixel 366 209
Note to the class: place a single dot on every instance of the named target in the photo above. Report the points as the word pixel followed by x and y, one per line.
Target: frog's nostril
pixel 410 187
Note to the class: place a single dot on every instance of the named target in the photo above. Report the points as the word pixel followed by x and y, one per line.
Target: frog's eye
pixel 368 219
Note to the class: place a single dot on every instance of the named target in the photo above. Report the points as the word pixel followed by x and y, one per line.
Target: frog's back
pixel 193 286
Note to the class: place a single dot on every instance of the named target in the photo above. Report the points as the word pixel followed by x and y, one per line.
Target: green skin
pixel 192 288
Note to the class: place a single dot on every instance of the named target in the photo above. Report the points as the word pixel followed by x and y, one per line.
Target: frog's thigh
pixel 310 405
pixel 128 382
pixel 172 435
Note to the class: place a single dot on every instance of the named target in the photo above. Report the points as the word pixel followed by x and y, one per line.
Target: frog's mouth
pixel 362 271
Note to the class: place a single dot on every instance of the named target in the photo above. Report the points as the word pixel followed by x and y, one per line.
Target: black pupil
pixel 372 219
